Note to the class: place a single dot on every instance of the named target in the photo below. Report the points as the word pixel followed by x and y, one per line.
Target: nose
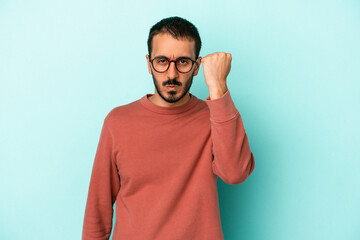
pixel 172 72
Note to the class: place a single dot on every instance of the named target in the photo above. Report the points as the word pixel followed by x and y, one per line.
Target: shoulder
pixel 122 112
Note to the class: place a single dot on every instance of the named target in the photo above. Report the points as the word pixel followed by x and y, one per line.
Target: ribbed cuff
pixel 222 109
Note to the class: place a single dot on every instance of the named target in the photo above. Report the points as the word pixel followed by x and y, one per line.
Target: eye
pixel 161 60
pixel 184 61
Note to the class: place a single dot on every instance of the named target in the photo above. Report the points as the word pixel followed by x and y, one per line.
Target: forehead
pixel 165 45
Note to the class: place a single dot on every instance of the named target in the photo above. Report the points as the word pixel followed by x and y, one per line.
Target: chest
pixel 152 149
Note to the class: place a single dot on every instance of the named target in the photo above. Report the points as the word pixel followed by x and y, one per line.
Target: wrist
pixel 217 92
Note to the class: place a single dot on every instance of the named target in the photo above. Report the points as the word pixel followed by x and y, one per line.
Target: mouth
pixel 171 86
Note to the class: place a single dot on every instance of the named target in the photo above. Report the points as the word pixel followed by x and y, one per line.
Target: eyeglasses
pixel 182 64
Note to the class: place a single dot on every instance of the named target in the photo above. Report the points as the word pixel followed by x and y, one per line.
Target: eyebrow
pixel 169 58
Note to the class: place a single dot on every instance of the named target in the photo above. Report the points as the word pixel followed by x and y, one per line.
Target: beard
pixel 171 95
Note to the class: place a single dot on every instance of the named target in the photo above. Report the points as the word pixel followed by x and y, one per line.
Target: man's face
pixel 165 45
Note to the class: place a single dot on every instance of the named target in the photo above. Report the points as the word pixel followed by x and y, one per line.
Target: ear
pixel 148 63
pixel 197 65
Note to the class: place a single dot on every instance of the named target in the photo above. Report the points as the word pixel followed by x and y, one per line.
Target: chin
pixel 172 97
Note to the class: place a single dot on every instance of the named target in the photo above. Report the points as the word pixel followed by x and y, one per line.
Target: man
pixel 159 157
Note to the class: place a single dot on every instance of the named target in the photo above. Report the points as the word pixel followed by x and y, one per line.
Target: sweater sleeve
pixel 103 188
pixel 233 160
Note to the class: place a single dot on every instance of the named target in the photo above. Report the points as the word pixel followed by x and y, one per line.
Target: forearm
pixel 233 160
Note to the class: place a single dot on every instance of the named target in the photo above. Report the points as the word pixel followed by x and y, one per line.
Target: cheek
pixel 158 79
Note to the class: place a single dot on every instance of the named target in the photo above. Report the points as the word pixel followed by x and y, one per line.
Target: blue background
pixel 294 78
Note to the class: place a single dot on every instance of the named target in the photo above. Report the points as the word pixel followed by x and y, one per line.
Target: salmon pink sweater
pixel 160 165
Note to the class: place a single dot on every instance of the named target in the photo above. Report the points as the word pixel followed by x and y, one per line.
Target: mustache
pixel 172 82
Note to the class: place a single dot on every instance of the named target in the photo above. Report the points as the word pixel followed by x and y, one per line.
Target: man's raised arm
pixel 233 161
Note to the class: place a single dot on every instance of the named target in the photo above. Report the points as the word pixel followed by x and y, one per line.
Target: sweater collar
pixel 168 110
